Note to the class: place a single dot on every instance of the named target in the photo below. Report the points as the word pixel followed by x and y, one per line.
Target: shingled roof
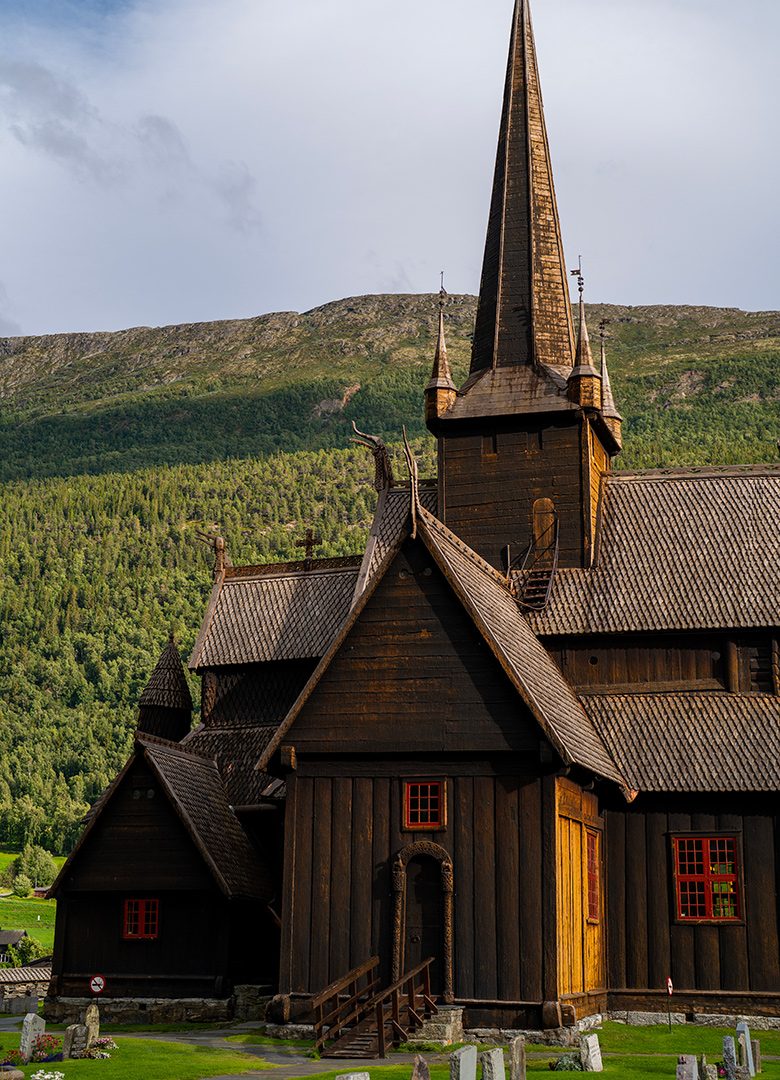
pixel 692 741
pixel 389 525
pixel 679 550
pixel 167 687
pixel 287 612
pixel 235 752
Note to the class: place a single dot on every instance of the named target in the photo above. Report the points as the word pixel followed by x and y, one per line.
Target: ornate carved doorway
pixel 423 887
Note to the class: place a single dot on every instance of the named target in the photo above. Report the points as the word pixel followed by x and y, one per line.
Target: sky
pixel 170 161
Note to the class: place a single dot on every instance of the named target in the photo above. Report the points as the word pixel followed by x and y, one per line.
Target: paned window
pixel 424 804
pixel 141 920
pixel 594 899
pixel 707 878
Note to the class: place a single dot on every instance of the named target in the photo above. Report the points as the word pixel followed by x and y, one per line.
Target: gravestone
pixel 742 1073
pixel 32 1026
pixel 517 1058
pixel 590 1054
pixel 745 1048
pixel 687 1067
pixel 353 1076
pixel 420 1070
pixel 463 1063
pixel 74 1041
pixel 710 1072
pixel 729 1057
pixel 493 1065
pixel 92 1022
pixel 755 1046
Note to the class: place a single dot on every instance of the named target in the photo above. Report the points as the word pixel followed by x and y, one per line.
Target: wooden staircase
pixel 352 1019
pixel 537 568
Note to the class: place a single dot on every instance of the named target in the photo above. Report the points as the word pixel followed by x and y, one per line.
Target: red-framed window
pixel 141 920
pixel 594 892
pixel 707 878
pixel 424 804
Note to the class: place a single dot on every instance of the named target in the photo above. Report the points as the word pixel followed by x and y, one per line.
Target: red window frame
pixel 593 875
pixel 424 804
pixel 706 879
pixel 141 919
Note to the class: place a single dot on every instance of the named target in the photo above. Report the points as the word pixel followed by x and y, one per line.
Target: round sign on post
pixel 97 984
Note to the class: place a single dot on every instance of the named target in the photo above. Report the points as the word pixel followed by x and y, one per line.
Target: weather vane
pixel 578 274
pixel 442 291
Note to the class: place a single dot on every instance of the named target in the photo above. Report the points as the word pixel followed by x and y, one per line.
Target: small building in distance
pixel 533 733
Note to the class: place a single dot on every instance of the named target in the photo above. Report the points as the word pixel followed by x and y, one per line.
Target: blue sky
pixel 180 160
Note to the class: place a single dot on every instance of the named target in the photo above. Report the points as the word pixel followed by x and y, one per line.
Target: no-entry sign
pixel 97 984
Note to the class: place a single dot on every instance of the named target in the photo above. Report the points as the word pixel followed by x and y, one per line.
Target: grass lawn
pixel 150 1059
pixel 34 916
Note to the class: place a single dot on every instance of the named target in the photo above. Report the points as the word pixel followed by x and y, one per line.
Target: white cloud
pixel 194 159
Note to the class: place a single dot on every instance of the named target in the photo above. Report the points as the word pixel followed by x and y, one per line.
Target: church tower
pixel 525 435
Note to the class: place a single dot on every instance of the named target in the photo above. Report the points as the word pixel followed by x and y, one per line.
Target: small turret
pixel 584 383
pixel 440 391
pixel 612 418
pixel 165 707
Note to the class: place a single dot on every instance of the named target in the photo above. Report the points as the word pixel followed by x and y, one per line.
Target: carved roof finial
pixel 383 469
pixel 219 547
pixel 583 360
pixel 411 464
pixel 441 375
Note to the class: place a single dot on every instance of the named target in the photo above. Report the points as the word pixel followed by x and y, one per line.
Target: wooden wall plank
pixel 507 871
pixel 636 900
pixel 464 844
pixel 531 883
pixel 486 958
pixel 761 903
pixel 320 974
pixel 382 915
pixel 615 841
pixel 659 966
pixel 361 870
pixel 682 937
pixel 341 877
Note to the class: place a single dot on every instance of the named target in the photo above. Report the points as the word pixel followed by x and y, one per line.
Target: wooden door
pixel 424 917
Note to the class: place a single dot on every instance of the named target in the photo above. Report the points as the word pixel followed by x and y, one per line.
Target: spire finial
pixel 579 276
pixel 440 391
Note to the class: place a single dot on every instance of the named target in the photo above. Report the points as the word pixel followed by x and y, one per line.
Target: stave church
pixel 524 752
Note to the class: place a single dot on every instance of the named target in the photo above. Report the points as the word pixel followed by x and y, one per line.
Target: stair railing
pixel 341 1004
pixel 536 568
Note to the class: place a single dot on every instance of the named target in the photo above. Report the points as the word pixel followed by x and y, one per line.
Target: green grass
pixel 687 1039
pixel 258 1037
pixel 150 1059
pixel 34 916
pixel 8 854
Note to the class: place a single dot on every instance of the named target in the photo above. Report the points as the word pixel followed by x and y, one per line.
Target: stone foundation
pixel 250 1002
pixel 62 1010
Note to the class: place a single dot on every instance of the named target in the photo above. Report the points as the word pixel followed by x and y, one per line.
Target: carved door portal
pixel 423 887
pixel 423 923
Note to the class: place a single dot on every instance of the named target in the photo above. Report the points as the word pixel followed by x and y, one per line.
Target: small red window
pixel 594 901
pixel 141 920
pixel 424 804
pixel 706 874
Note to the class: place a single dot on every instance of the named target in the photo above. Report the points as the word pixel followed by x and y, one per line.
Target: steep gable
pixel 413 673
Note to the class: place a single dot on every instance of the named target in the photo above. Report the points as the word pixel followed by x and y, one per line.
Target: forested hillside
pixel 116 448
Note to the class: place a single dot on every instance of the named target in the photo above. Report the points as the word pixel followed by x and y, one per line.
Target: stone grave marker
pixel 745 1047
pixel 74 1042
pixel 710 1072
pixel 92 1022
pixel 729 1057
pixel 493 1065
pixel 463 1063
pixel 590 1054
pixel 517 1058
pixel 742 1073
pixel 687 1067
pixel 420 1070
pixel 353 1076
pixel 32 1026
pixel 755 1046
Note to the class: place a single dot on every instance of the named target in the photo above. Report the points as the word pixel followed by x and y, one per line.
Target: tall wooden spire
pixel 524 313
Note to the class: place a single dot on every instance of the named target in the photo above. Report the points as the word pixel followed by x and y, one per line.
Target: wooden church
pixel 532 735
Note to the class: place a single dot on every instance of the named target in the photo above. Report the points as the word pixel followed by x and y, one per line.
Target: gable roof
pixel 689 549
pixel 196 793
pixel 235 751
pixel 692 741
pixel 287 612
pixel 487 600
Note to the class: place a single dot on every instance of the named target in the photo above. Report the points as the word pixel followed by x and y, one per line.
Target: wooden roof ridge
pixel 336 564
pixel 524 269
pixel 552 701
pixel 695 472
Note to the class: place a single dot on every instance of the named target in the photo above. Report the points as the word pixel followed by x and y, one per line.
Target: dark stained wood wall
pixel 647 662
pixel 414 672
pixel 645 944
pixel 346 829
pixel 487 498
pixel 138 842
